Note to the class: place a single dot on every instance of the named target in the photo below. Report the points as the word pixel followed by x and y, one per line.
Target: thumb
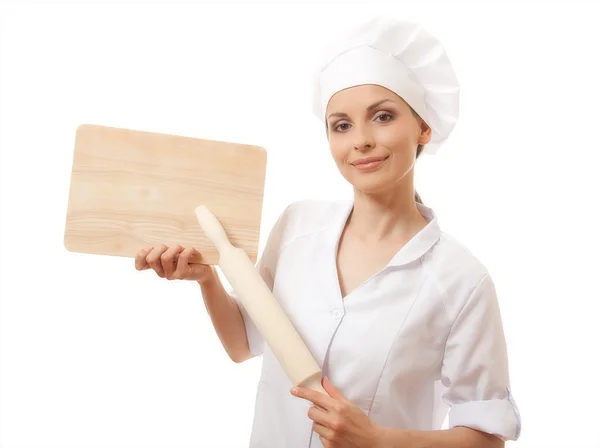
pixel 332 390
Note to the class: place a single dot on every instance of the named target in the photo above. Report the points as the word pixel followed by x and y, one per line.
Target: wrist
pixel 209 279
pixel 382 438
pixel 392 438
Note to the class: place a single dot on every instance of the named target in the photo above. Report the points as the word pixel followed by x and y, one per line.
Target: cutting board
pixel 132 189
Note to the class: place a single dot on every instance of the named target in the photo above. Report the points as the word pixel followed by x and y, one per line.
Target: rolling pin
pixel 260 303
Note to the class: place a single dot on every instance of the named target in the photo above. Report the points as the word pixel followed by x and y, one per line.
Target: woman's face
pixel 373 135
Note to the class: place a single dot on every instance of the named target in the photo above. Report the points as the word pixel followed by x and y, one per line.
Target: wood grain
pixel 133 189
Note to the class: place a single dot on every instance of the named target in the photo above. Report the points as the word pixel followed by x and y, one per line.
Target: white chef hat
pixel 402 57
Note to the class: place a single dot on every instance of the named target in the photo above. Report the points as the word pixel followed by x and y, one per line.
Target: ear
pixel 425 135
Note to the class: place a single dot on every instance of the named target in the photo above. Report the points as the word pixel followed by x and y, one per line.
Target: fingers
pixel 183 269
pixel 319 416
pixel 168 260
pixel 140 259
pixel 317 398
pixel 332 390
pixel 325 434
pixel 153 259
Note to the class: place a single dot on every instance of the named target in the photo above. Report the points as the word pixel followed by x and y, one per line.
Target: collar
pixel 414 249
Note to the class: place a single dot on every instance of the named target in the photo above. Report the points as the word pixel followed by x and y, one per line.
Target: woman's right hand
pixel 173 263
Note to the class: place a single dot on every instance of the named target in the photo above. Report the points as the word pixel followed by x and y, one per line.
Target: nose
pixel 363 139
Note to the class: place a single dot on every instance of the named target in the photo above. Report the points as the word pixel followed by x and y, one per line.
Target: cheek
pixel 338 151
pixel 396 139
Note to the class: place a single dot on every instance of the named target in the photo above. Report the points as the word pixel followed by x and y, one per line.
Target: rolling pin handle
pixel 212 228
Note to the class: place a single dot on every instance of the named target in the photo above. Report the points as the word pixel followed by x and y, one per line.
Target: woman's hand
pixel 339 422
pixel 173 263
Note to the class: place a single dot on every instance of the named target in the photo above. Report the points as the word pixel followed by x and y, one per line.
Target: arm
pixel 457 437
pixel 475 373
pixel 338 421
pixel 226 318
pixel 238 334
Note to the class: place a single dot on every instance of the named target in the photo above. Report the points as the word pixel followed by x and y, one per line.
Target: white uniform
pixel 421 337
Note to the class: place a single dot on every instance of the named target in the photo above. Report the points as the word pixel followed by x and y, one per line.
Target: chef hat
pixel 402 57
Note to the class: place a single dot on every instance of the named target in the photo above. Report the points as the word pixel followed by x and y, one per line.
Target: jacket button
pixel 336 313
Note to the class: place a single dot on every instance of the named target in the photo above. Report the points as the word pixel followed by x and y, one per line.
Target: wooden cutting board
pixel 132 189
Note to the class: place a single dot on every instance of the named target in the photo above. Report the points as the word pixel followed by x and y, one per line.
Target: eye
pixel 338 127
pixel 386 115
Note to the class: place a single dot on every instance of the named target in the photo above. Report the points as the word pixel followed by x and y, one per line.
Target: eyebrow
pixel 370 108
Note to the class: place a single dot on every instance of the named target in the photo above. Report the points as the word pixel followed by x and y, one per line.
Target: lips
pixel 368 160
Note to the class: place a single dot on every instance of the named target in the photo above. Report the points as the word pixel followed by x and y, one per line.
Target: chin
pixel 370 184
pixel 375 182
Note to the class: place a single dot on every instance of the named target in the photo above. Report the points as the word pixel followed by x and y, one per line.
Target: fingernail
pixel 294 390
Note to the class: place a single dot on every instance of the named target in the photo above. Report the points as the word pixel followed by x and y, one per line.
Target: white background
pixel 94 353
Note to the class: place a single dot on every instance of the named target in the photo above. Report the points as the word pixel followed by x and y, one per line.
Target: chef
pixel 403 320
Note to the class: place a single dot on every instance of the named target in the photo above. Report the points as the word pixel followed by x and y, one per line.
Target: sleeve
pixel 265 266
pixel 475 368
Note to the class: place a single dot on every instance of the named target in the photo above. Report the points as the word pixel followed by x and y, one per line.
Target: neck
pixel 385 217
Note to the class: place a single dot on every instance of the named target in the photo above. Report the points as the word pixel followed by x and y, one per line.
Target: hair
pixel 419 151
pixel 417 197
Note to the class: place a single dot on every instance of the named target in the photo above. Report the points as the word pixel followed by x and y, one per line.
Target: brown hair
pixel 419 150
pixel 417 197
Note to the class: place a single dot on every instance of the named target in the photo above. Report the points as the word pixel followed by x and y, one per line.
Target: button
pixel 336 313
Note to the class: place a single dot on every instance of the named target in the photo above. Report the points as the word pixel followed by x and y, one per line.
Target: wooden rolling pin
pixel 265 311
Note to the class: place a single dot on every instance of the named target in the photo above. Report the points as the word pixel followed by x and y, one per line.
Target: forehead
pixel 360 97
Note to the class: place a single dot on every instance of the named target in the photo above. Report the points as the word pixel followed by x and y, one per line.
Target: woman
pixel 403 320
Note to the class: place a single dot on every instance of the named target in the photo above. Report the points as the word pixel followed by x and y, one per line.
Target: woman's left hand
pixel 339 422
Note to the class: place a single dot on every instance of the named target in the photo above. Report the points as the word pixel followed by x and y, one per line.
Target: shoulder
pixel 456 259
pixel 457 274
pixel 309 216
pixel 314 214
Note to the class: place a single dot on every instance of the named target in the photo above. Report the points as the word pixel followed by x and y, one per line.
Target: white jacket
pixel 421 338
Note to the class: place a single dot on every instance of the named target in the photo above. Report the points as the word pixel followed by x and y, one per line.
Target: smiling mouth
pixel 369 163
